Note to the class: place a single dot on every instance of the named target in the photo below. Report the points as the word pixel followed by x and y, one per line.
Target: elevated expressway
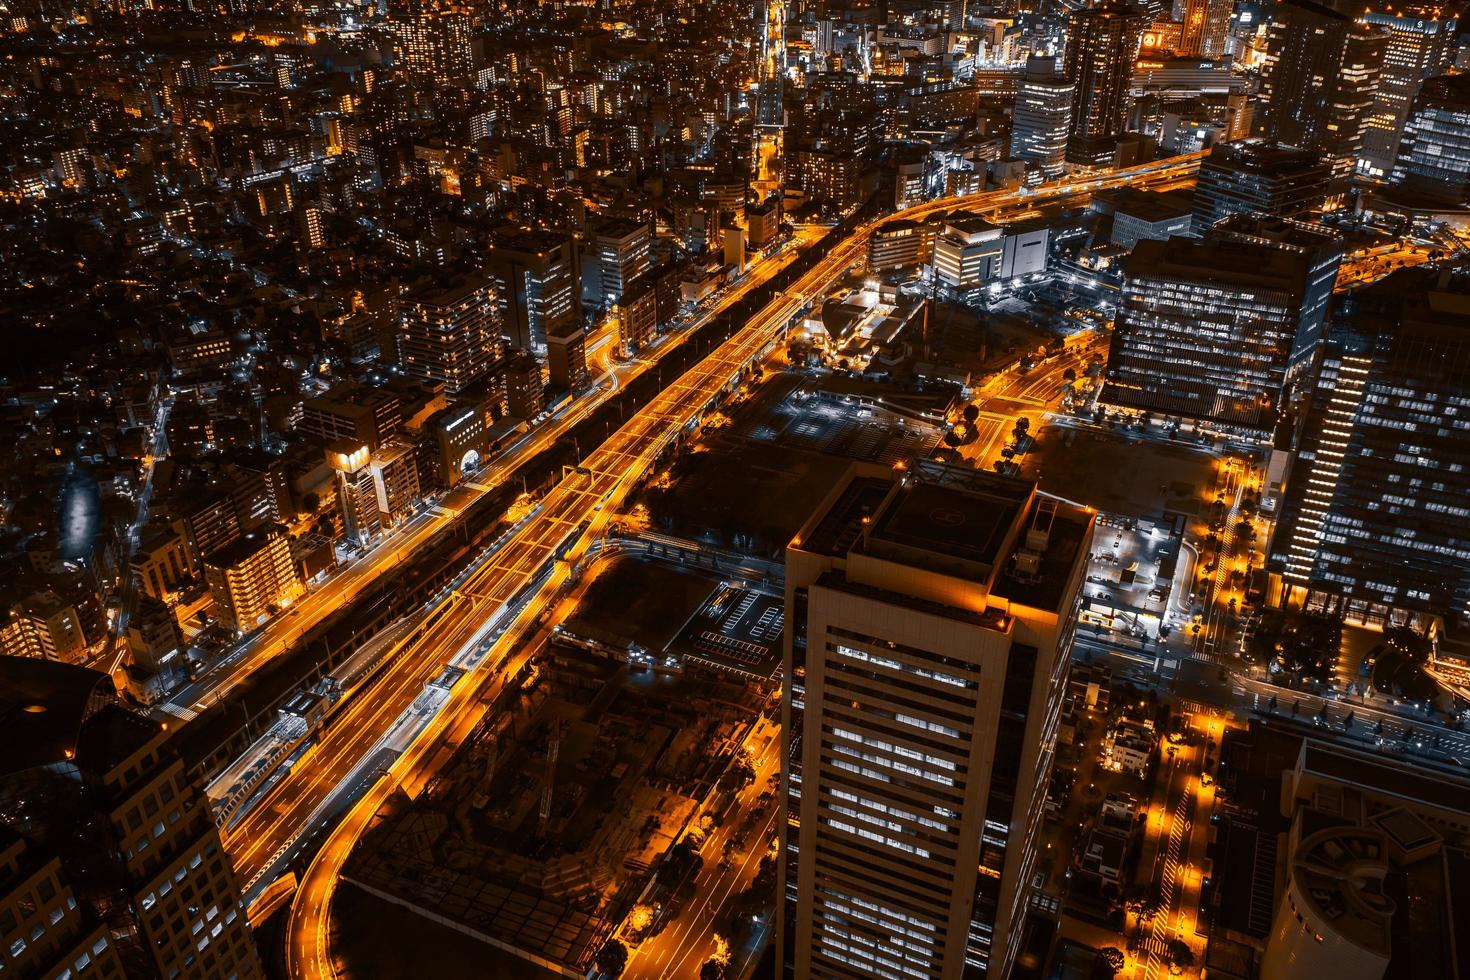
pixel 502 600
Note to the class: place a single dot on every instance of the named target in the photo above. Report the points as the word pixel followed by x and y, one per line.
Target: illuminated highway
pixel 465 619
pixel 748 828
pixel 277 636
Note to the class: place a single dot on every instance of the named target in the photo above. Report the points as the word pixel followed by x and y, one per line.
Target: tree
pixel 1069 375
pixel 1110 960
pixel 1023 425
pixel 1308 648
pixel 612 959
pixel 970 414
pixel 712 970
pixel 1180 955
pixel 951 438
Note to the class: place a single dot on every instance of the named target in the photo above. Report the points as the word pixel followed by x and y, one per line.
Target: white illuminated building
pixel 932 615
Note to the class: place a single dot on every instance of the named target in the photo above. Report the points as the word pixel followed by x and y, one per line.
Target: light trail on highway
pixel 581 501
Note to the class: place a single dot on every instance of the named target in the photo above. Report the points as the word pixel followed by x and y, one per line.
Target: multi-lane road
pixel 363 570
pixel 731 854
pixel 481 610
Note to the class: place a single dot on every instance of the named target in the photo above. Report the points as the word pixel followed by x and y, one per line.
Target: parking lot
pixel 737 630
pixel 796 417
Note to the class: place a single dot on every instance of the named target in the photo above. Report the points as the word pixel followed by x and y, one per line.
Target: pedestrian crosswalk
pixel 1157 944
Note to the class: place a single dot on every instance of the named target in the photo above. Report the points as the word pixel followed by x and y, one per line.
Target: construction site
pixel 543 829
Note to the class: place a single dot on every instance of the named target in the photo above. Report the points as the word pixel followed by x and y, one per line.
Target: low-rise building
pixel 250 578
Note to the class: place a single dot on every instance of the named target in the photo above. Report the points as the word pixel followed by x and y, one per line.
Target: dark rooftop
pixel 842 524
pixel 965 515
pixel 1261 156
pixel 1238 264
pixel 43 706
pixel 236 551
pixel 1439 789
pixel 1152 206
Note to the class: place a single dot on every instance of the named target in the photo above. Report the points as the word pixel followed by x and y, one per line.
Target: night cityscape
pixel 766 490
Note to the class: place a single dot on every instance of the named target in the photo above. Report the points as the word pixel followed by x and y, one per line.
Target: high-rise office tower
pixel 1205 333
pixel 1257 177
pixel 1102 45
pixel 930 620
pixel 99 796
pixel 1322 249
pixel 619 252
pixel 1319 81
pixel 537 285
pixel 432 42
pixel 449 332
pixel 1376 517
pixel 1205 28
pixel 1420 46
pixel 1042 120
pixel 1434 158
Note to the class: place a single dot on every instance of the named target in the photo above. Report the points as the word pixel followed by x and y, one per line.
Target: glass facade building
pixel 1434 157
pixel 1319 81
pixel 1255 176
pixel 1102 45
pixel 1043 118
pixel 1206 330
pixel 1375 523
pixel 1420 46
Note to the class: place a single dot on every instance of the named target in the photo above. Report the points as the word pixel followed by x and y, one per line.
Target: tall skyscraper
pixel 1042 120
pixel 449 332
pixel 1102 45
pixel 1434 158
pixel 620 252
pixel 1319 81
pixel 1256 177
pixel 930 620
pixel 1322 249
pixel 1420 45
pixel 96 787
pixel 1376 517
pixel 432 42
pixel 537 285
pixel 1205 333
pixel 1205 28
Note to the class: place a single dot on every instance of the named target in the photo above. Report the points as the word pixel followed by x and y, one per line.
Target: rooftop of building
pixel 973 226
pixel 1339 871
pixel 43 707
pixel 1238 264
pixel 990 530
pixel 447 292
pixel 965 516
pixel 1268 229
pixel 620 228
pixel 541 242
pixel 1152 206
pixel 1262 156
pixel 1411 784
pixel 350 395
pixel 240 550
pixel 1446 91
pixel 1425 294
